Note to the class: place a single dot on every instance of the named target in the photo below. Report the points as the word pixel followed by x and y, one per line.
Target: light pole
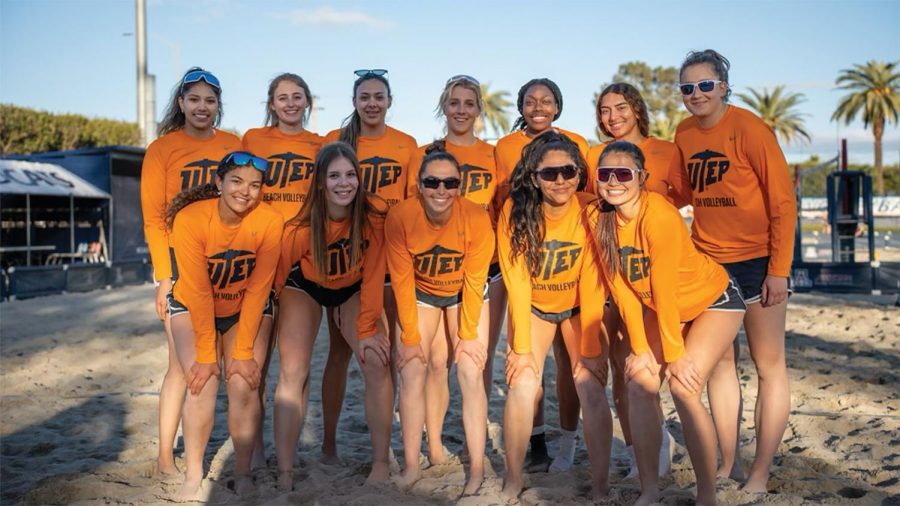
pixel 141 43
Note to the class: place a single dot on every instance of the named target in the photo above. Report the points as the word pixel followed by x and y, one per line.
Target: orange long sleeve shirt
pixel 740 187
pixel 508 152
pixel 173 163
pixel 662 161
pixel 224 270
pixel 386 162
pixel 291 159
pixel 661 269
pixel 478 171
pixel 569 276
pixel 442 261
pixel 296 249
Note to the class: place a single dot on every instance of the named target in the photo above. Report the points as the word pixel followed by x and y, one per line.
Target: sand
pixel 81 375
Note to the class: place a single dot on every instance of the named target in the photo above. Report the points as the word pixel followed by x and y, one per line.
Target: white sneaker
pixel 666 450
pixel 632 464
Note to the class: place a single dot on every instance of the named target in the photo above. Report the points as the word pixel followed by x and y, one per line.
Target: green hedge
pixel 26 131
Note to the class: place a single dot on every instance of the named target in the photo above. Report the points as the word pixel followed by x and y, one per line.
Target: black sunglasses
pixel 623 174
pixel 706 86
pixel 370 72
pixel 550 174
pixel 432 183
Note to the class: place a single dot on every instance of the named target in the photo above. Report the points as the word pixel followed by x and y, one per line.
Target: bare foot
pixel 646 499
pixel 243 485
pixel 600 492
pixel 285 481
pixel 437 458
pixel 190 491
pixel 474 483
pixel 755 487
pixel 330 459
pixel 380 473
pixel 736 473
pixel 408 478
pixel 512 487
pixel 165 468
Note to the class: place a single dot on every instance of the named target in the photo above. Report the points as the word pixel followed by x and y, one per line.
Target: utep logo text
pixel 286 168
pixel 438 261
pixel 230 267
pixel 198 173
pixel 706 169
pixel 635 264
pixel 557 257
pixel 339 257
pixel 379 172
pixel 473 179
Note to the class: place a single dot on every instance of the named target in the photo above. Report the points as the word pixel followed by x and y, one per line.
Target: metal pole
pixel 71 223
pixel 27 229
pixel 141 40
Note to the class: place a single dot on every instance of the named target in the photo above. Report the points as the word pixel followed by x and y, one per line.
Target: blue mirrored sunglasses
pixel 370 72
pixel 243 158
pixel 196 76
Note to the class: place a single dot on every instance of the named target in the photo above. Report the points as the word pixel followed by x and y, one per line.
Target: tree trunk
pixel 878 130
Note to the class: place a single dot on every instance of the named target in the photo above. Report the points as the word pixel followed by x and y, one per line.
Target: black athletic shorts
pixel 427 299
pixel 223 323
pixel 494 273
pixel 730 300
pixel 555 317
pixel 749 276
pixel 327 297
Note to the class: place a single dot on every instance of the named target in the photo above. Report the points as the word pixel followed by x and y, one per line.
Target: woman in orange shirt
pixel 737 174
pixel 439 247
pixel 622 114
pixel 333 257
pixel 461 104
pixel 679 306
pixel 540 103
pixel 550 269
pixel 184 156
pixel 385 156
pixel 289 147
pixel 226 251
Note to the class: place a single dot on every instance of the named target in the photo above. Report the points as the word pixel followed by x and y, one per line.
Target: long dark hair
pixel 520 101
pixel 635 101
pixel 271 117
pixel 203 192
pixel 526 217
pixel 314 212
pixel 353 124
pixel 174 118
pixel 607 237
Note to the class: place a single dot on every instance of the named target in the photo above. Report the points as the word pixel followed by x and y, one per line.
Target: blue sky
pixel 73 56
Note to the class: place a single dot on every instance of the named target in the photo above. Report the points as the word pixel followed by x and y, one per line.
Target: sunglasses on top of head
pixel 464 77
pixel 195 76
pixel 243 158
pixel 432 183
pixel 706 86
pixel 550 174
pixel 370 72
pixel 623 174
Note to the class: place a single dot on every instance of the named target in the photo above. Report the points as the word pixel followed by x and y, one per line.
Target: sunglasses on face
pixel 706 86
pixel 464 77
pixel 200 75
pixel 370 72
pixel 623 174
pixel 550 174
pixel 432 183
pixel 243 158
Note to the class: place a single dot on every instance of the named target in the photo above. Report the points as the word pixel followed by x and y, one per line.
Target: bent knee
pixel 682 393
pixel 643 385
pixel 373 368
pixel 467 372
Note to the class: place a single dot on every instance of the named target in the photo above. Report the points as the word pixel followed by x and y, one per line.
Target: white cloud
pixel 327 16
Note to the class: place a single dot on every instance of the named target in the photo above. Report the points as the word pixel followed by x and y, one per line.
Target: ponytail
pixel 188 197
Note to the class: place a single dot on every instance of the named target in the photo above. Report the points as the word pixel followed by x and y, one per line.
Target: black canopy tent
pixel 38 201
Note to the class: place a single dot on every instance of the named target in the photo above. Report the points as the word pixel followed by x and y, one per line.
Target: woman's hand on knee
pixel 379 345
pixel 162 290
pixel 686 372
pixel 518 363
pixel 247 369
pixel 774 291
pixel 598 367
pixel 634 364
pixel 200 374
pixel 476 350
pixel 409 352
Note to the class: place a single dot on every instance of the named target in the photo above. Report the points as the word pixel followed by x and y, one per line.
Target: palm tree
pixel 663 126
pixel 776 109
pixel 495 105
pixel 875 91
